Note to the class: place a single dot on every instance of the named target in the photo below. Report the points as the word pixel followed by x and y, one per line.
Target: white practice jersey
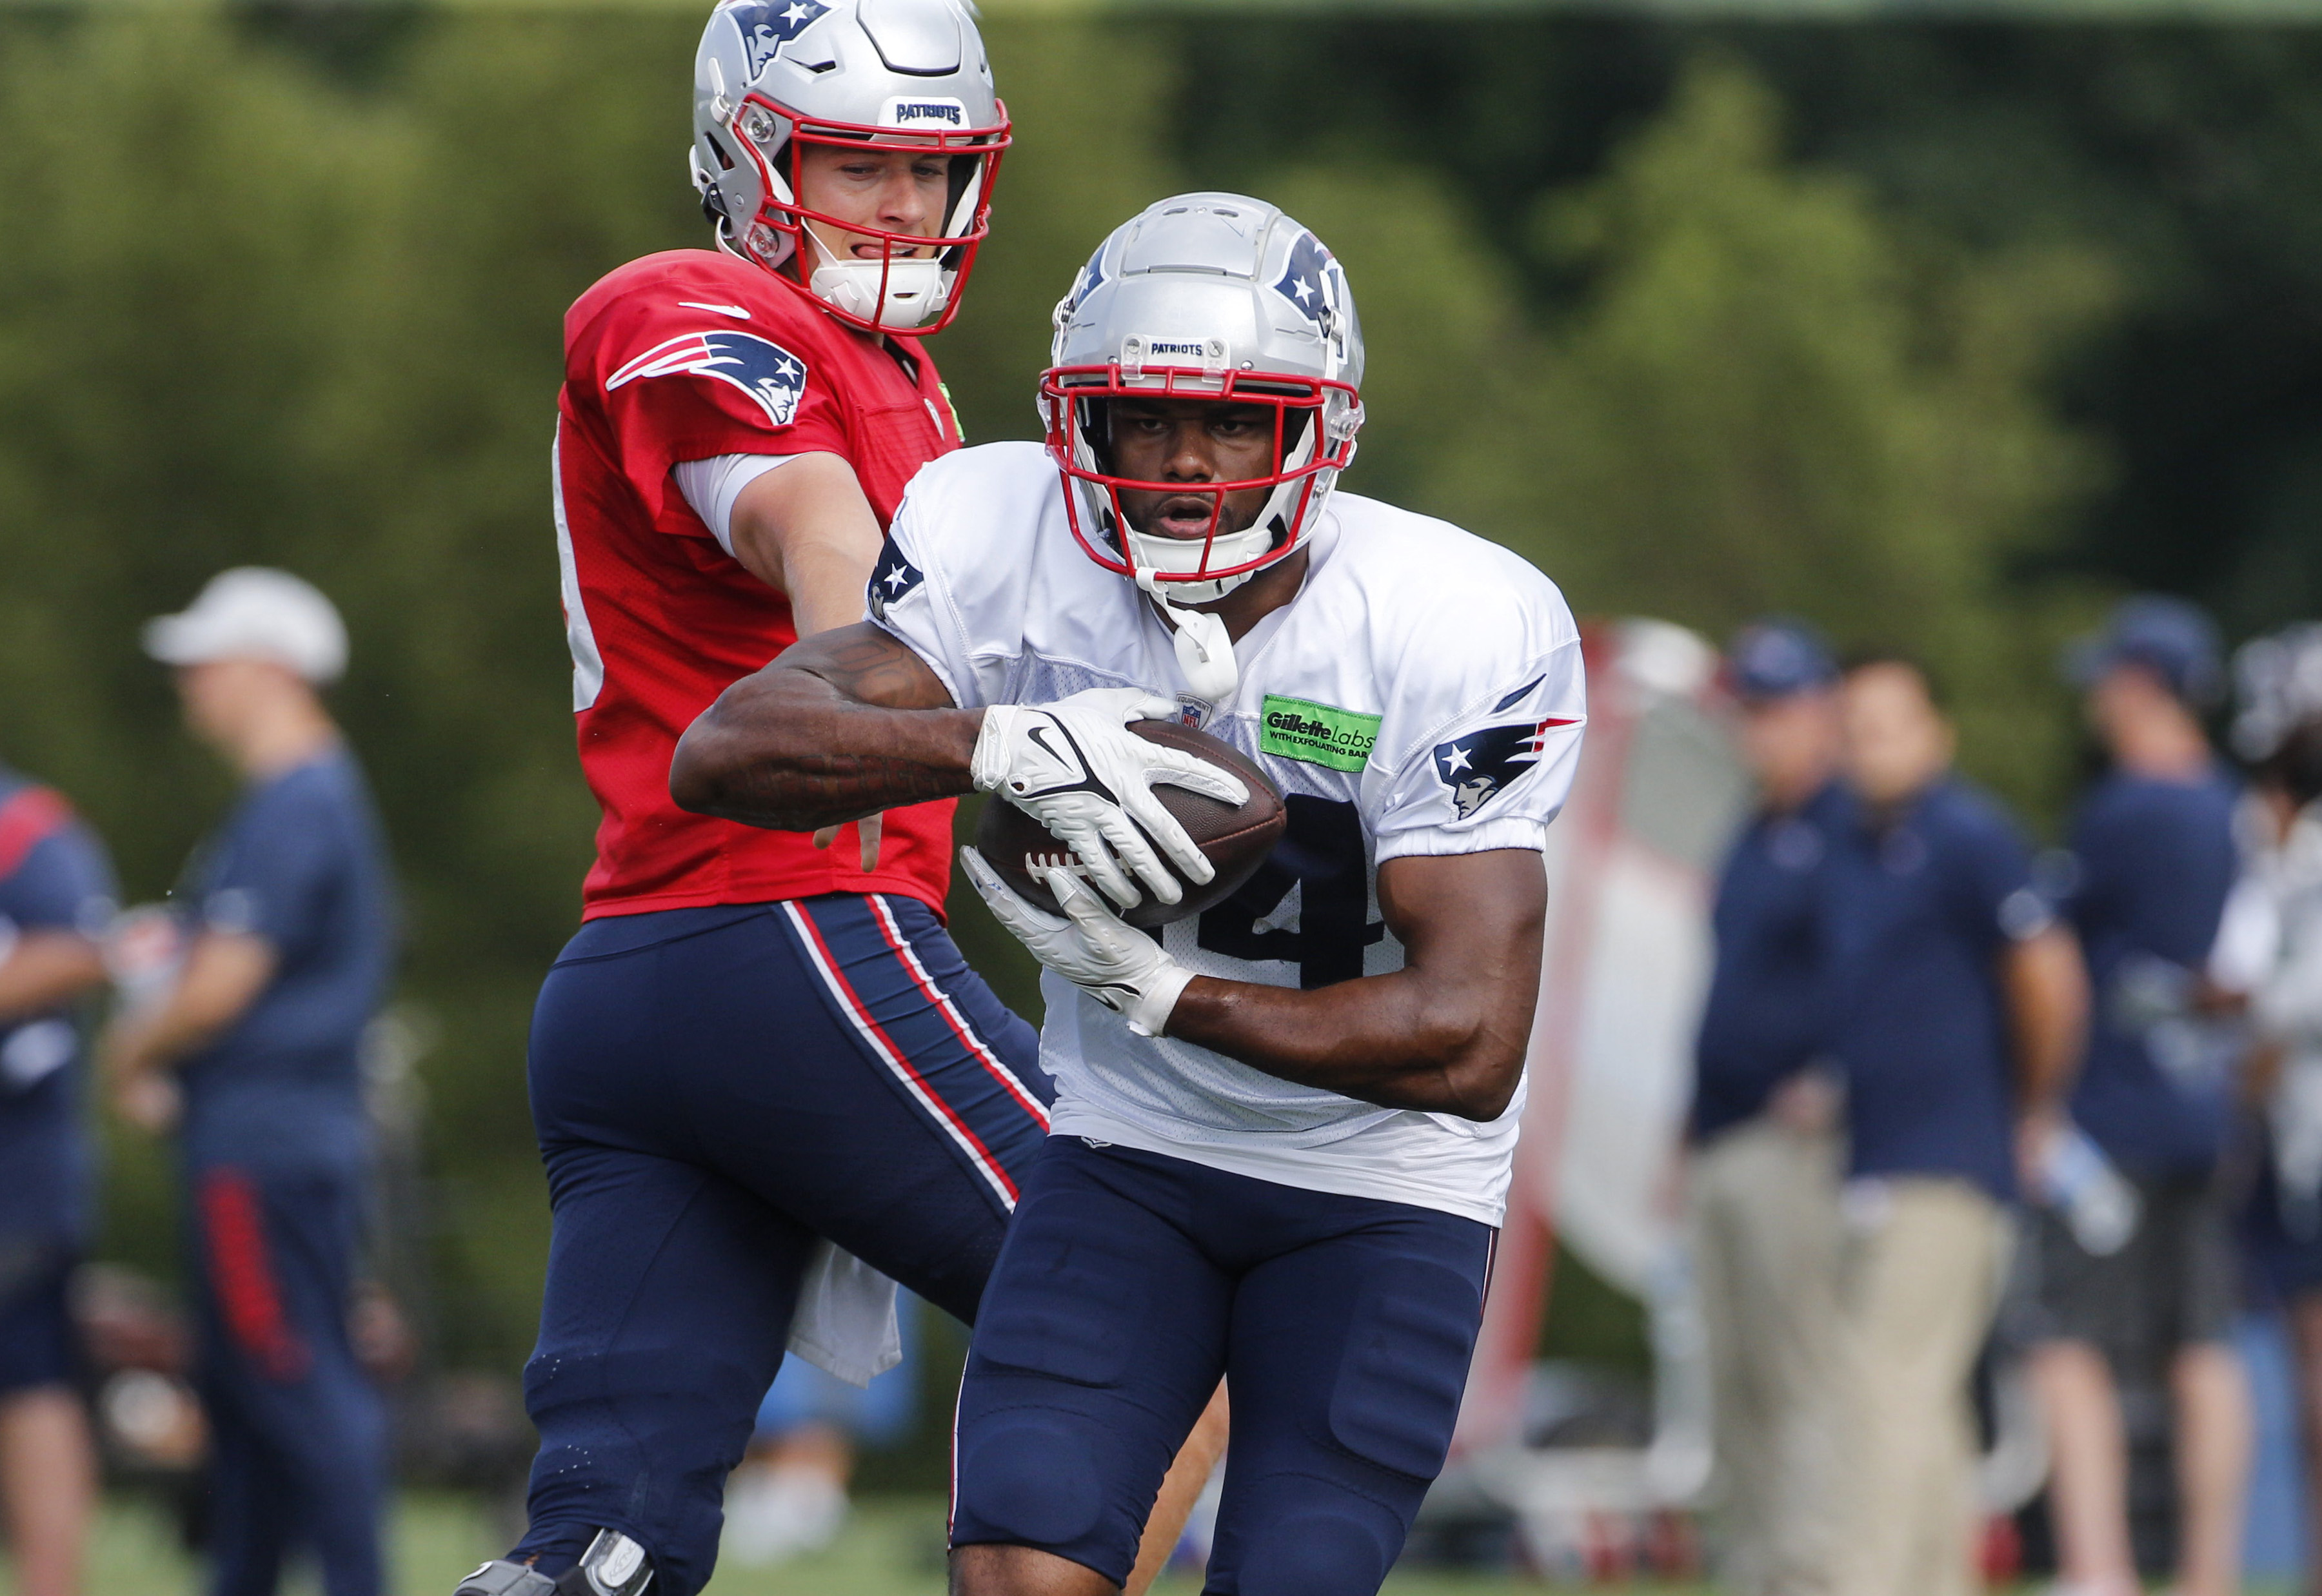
pixel 1423 694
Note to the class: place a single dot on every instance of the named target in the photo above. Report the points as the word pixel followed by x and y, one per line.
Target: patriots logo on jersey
pixel 1313 282
pixel 766 28
pixel 759 366
pixel 1478 765
pixel 893 577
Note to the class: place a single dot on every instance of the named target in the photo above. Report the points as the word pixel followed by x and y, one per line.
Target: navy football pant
pixel 38 1345
pixel 1130 1282
pixel 715 1089
pixel 298 1436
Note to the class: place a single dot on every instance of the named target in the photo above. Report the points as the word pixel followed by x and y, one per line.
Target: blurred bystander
pixel 1762 1178
pixel 251 1054
pixel 2154 860
pixel 56 900
pixel 1958 1006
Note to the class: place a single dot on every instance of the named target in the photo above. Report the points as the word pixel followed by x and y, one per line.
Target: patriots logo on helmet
pixel 759 366
pixel 1313 282
pixel 890 578
pixel 1090 275
pixel 766 28
pixel 1478 765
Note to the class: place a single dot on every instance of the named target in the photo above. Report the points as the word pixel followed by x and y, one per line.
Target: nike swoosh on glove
pixel 1075 767
pixel 1087 945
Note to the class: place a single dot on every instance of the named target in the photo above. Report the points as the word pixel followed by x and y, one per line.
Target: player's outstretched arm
pixel 845 724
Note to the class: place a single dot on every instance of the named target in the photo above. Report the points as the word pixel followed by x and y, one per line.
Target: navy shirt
pixel 300 863
pixel 1763 1021
pixel 2155 860
pixel 1920 912
pixel 53 877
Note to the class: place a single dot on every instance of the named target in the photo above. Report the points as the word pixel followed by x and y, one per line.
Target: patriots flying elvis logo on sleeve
pixel 1478 765
pixel 759 366
pixel 890 578
pixel 766 28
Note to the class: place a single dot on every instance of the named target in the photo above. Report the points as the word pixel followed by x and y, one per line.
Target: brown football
pixel 1234 838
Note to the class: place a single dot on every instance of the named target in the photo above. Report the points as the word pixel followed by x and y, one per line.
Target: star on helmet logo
pixel 767 27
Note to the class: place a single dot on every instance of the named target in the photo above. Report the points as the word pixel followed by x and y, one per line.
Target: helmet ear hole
pixel 724 162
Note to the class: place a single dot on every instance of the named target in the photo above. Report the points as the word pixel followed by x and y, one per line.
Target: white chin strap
pixel 916 289
pixel 1205 655
pixel 1170 556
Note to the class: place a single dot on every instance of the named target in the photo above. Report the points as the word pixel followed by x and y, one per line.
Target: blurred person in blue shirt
pixel 1762 1179
pixel 56 901
pixel 2155 856
pixel 1957 1008
pixel 253 1057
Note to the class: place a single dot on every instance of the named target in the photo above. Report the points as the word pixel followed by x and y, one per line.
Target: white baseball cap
pixel 255 613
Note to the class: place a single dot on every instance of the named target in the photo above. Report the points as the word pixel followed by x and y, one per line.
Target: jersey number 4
pixel 1321 855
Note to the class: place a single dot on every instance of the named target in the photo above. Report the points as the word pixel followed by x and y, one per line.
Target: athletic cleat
pixel 500 1577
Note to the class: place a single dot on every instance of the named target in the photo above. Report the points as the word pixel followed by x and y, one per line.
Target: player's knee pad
pixel 1030 1479
pixel 1321 1553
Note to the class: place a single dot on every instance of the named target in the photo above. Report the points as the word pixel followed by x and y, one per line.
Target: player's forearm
pixel 787 750
pixel 805 529
pixel 2048 1008
pixel 45 969
pixel 1394 1040
pixel 225 974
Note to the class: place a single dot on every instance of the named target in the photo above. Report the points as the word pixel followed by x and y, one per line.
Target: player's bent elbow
pixel 1484 1101
pixel 701 774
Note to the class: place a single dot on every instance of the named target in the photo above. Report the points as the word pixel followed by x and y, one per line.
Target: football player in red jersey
pixel 765 1084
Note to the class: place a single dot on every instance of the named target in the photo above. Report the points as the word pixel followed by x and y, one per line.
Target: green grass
pixel 893 1546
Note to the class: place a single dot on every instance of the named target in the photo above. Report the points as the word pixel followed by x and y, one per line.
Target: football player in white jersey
pixel 1282 1128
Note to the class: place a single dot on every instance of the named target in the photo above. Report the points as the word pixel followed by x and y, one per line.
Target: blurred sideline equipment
pixel 754 1049
pixel 252 1051
pixel 56 898
pixel 1626 963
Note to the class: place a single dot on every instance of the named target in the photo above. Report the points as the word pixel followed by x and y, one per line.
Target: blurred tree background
pixel 1940 333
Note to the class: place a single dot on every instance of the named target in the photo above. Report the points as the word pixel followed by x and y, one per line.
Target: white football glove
pixel 1119 966
pixel 1075 767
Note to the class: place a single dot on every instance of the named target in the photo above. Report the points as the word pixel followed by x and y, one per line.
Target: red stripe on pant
pixel 242 1274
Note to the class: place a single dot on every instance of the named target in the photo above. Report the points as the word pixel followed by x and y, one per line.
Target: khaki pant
pixel 1766 1256
pixel 1917 1288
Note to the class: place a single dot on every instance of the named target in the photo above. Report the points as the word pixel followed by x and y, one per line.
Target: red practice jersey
pixel 682 356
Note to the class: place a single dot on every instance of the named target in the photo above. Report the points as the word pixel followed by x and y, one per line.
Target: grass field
pixel 892 1547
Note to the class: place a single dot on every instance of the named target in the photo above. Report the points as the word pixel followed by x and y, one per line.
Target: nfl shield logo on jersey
pixel 1478 765
pixel 759 366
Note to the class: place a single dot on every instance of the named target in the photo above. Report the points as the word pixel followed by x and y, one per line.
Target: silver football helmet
pixel 773 76
pixel 1207 296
